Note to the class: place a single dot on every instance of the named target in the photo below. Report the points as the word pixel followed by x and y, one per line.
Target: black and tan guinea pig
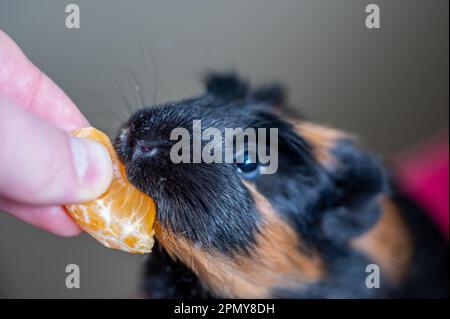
pixel 310 230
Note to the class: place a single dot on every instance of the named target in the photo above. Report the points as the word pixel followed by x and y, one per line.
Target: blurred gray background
pixel 390 86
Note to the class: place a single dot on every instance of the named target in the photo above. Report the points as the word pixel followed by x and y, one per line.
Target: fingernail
pixel 93 168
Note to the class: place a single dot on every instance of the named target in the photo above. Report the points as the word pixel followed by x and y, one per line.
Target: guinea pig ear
pixel 358 181
pixel 226 86
pixel 273 95
pixel 230 87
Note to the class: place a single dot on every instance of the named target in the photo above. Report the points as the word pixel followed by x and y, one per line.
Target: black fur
pixel 356 186
pixel 226 86
pixel 209 205
pixel 429 274
pixel 169 279
pixel 186 193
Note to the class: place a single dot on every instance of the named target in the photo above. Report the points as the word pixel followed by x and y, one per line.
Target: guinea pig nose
pixel 144 149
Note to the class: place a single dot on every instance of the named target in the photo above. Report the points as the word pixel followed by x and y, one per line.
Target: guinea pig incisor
pixel 310 230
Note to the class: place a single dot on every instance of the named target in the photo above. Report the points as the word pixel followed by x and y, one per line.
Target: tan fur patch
pixel 388 243
pixel 321 138
pixel 276 259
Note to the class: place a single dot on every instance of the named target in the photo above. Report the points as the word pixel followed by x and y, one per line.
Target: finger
pixel 41 164
pixel 50 218
pixel 32 89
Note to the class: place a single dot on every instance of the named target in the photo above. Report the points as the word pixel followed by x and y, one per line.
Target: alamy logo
pixel 373 17
pixel 73 277
pixel 73 17
pixel 373 277
pixel 232 145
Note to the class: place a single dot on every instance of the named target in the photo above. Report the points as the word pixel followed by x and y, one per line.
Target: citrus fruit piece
pixel 123 217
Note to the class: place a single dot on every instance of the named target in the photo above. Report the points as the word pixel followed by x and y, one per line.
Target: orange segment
pixel 123 217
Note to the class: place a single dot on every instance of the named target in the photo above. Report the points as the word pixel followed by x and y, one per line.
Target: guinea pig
pixel 326 220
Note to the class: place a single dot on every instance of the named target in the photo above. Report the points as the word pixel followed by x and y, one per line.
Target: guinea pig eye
pixel 249 168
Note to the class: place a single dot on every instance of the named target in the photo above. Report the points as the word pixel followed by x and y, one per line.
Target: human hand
pixel 42 167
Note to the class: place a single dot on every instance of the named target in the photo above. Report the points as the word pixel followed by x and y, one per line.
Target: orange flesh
pixel 123 217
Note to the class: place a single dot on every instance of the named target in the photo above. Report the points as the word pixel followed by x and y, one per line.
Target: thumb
pixel 43 165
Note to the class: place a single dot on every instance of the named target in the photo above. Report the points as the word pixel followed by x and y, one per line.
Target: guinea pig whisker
pixel 152 68
pixel 117 92
pixel 137 89
pixel 104 108
pixel 127 105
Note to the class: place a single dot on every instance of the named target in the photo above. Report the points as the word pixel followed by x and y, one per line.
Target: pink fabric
pixel 423 173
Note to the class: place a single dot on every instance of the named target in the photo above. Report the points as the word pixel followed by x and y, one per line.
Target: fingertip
pixel 93 167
